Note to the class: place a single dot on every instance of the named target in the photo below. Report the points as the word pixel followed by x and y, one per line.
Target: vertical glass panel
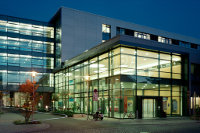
pixel 165 66
pixel 103 68
pixel 176 100
pixel 103 65
pixel 176 76
pixel 176 64
pixel 93 60
pixel 116 61
pixel 93 68
pixel 13 77
pixel 3 59
pixel 147 53
pixel 165 75
pixel 147 73
pixel 165 56
pixel 116 51
pixel 176 58
pixel 25 62
pixel 127 61
pixel 77 75
pixel 148 64
pixel 165 92
pixel 13 60
pixel 103 56
pixel 128 50
pixel 3 25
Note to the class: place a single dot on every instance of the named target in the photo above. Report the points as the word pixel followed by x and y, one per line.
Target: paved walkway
pixel 79 123
pixel 7 126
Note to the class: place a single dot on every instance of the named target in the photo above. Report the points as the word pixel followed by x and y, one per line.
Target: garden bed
pixel 64 113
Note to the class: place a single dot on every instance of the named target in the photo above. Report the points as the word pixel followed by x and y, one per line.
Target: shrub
pixel 197 111
pixel 41 110
pixel 69 113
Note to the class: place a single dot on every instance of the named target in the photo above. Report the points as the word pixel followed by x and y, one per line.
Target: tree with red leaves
pixel 29 89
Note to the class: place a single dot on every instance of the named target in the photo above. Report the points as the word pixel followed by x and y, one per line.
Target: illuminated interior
pixel 122 76
pixel 25 45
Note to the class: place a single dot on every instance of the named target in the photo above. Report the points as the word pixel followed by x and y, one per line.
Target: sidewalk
pixel 153 121
pixel 7 126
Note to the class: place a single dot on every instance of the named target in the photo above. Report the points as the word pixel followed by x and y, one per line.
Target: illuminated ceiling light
pixel 176 59
pixel 94 65
pixel 3 71
pixel 97 71
pixel 103 69
pixel 68 74
pixel 123 65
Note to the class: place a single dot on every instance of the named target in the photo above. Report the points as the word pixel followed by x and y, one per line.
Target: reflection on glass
pixel 114 75
pixel 147 53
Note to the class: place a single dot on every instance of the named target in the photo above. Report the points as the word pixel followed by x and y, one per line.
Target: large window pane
pixel 165 56
pixel 127 61
pixel 147 53
pixel 148 64
pixel 128 51
pixel 176 64
pixel 165 66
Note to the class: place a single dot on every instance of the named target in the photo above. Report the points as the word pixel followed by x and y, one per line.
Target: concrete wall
pixel 83 30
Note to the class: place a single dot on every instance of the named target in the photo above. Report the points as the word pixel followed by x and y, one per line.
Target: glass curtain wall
pixel 120 76
pixel 25 46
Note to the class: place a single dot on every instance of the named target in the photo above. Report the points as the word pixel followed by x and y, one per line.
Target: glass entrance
pixel 148 108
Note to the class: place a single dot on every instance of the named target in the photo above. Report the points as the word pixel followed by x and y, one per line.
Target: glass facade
pixel 25 46
pixel 128 80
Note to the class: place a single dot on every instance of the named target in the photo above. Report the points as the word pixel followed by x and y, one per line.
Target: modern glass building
pixel 80 31
pixel 128 78
pixel 25 46
pixel 131 68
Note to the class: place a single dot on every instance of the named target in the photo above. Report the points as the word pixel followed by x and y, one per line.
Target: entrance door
pixel 148 108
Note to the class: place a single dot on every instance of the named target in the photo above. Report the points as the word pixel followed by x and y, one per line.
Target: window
pixel 175 42
pixel 154 37
pixel 195 46
pixel 142 35
pixel 120 31
pixel 184 44
pixel 106 32
pixel 164 40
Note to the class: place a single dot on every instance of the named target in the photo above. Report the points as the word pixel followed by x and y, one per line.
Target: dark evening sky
pixel 179 16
